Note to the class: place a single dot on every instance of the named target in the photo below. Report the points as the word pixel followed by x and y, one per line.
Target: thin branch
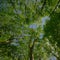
pixel 55 7
pixel 8 41
pixel 44 3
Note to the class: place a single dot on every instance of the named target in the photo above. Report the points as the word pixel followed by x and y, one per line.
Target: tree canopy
pixel 29 29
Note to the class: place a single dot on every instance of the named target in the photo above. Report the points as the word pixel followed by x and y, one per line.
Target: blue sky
pixel 34 26
pixel 44 19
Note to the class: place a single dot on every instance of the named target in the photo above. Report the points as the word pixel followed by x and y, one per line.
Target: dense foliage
pixel 29 29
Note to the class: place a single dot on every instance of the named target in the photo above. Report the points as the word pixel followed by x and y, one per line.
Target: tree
pixel 52 30
pixel 17 39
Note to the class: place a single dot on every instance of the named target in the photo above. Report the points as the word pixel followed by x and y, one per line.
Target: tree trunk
pixel 31 54
pixel 31 48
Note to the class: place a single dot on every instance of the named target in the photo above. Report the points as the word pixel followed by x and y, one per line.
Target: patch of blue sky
pixel 33 26
pixel 44 19
pixel 41 35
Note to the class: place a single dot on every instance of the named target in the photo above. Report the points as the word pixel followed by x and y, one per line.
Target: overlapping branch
pixel 55 7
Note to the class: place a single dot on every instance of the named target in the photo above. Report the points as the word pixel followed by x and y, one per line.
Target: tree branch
pixel 31 50
pixel 55 7
pixel 44 3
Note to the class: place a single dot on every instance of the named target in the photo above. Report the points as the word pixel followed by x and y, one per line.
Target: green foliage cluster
pixel 20 39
